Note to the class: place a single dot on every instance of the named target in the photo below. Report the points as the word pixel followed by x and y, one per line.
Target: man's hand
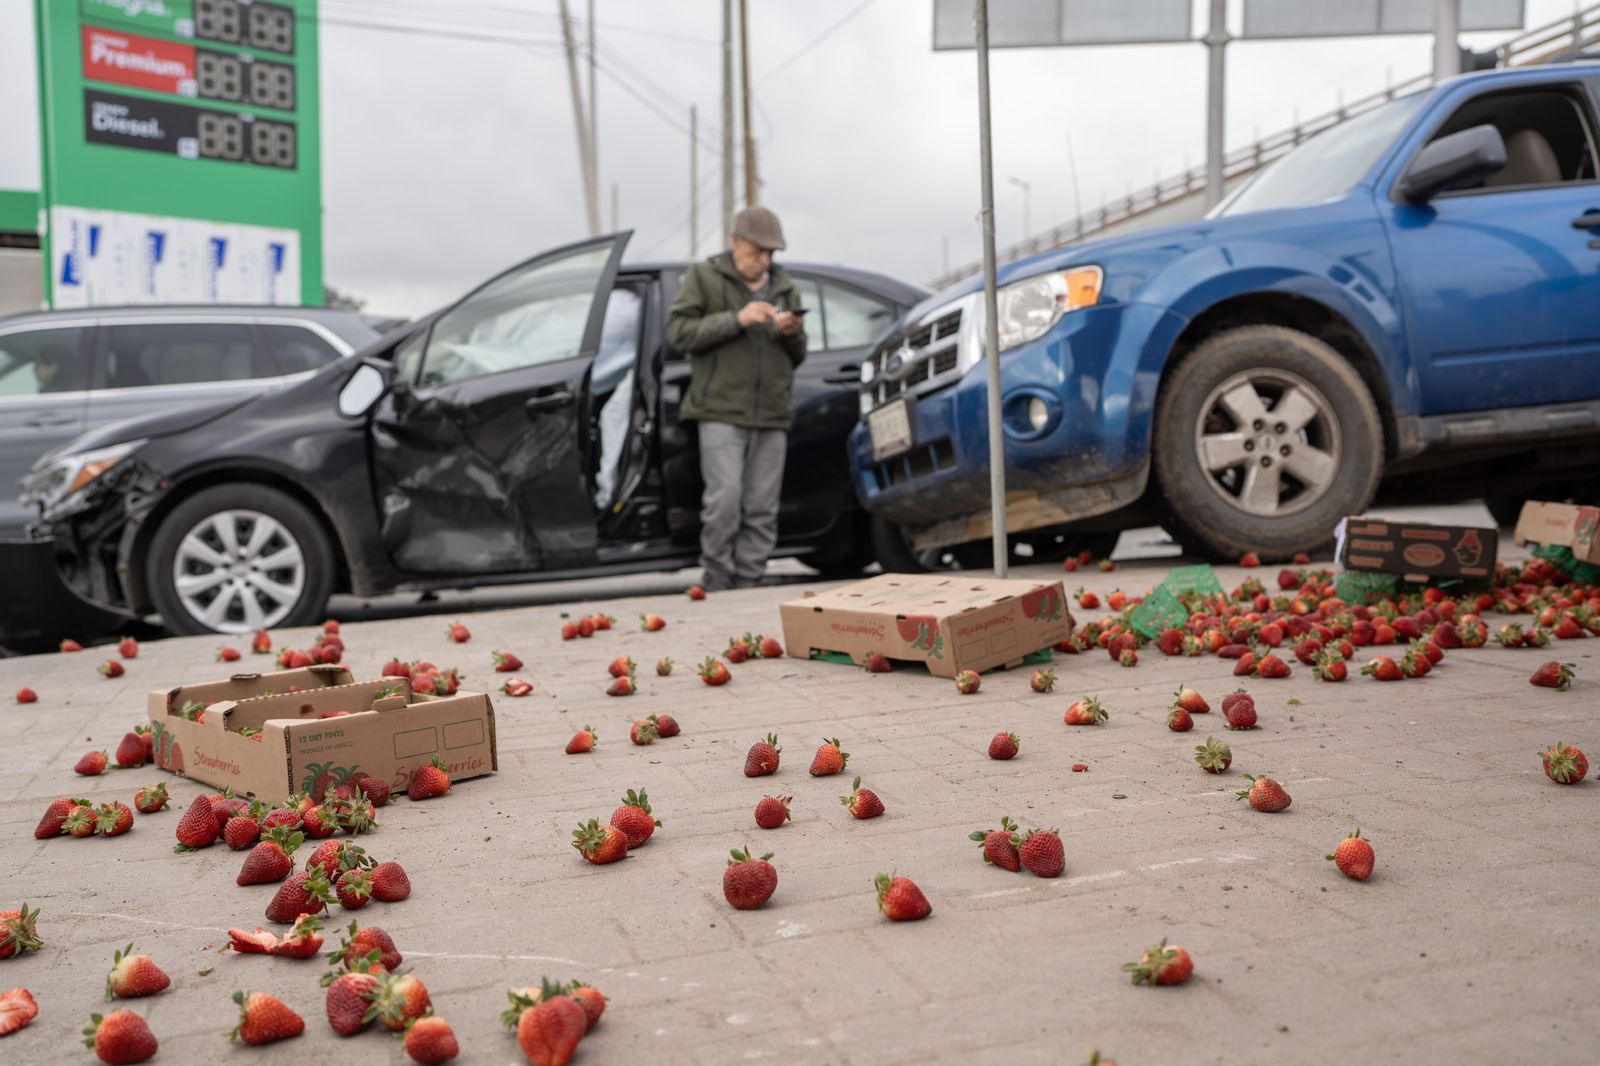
pixel 756 312
pixel 788 322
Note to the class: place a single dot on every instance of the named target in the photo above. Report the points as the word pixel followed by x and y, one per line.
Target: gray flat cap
pixel 760 227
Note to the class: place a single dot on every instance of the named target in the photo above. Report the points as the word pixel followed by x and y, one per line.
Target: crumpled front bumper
pixel 40 608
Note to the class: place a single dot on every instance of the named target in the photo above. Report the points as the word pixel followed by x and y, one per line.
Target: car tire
pixel 896 556
pixel 1265 437
pixel 269 527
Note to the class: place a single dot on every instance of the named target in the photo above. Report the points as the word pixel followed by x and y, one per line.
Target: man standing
pixel 735 317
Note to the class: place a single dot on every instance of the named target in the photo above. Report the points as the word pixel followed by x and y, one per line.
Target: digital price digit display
pixel 243 80
pixel 187 131
pixel 269 27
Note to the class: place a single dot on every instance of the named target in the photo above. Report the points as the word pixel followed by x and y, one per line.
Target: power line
pixel 818 39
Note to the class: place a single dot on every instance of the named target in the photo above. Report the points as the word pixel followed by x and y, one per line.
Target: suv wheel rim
pixel 1268 442
pixel 239 571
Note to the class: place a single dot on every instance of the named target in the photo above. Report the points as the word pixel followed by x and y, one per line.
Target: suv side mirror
pixel 361 391
pixel 1449 162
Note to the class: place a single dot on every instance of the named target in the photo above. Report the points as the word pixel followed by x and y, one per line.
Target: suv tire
pixel 1265 437
pixel 281 561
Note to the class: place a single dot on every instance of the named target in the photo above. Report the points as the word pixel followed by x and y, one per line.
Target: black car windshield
pixel 1328 165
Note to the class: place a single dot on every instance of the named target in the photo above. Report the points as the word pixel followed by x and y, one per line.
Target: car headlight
pixel 869 368
pixel 1029 308
pixel 67 474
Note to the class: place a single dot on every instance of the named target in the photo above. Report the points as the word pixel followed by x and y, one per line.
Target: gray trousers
pixel 743 474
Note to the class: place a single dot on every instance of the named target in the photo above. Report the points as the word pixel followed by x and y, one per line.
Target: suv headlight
pixel 49 485
pixel 1029 308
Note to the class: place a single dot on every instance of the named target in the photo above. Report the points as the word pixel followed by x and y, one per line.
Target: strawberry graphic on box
pixel 1042 604
pixel 323 777
pixel 921 631
pixel 168 753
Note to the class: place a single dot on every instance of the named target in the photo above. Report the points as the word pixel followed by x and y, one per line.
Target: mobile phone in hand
pixel 798 310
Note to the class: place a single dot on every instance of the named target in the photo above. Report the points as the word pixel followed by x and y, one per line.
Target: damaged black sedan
pixel 529 431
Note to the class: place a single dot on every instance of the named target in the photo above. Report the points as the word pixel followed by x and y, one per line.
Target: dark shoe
pixel 716 583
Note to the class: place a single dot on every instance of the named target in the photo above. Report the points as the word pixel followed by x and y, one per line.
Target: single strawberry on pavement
pixel 1163 964
pixel 430 1041
pixel 748 882
pixel 1043 853
pixel 1004 746
pixel 1564 764
pixel 600 844
pixel 1213 756
pixel 1353 857
pixel 582 741
pixel 900 900
pixel 17 1009
pixel 862 802
pixel 772 811
pixel 829 760
pixel 999 846
pixel 762 758
pixel 967 682
pixel 1553 675
pixel 1265 794
pixel 635 818
pixel 120 1038
pixel 264 1019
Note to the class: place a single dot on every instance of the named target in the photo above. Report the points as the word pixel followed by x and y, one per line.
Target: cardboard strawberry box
pixel 1416 550
pixel 1561 525
pixel 948 622
pixel 267 736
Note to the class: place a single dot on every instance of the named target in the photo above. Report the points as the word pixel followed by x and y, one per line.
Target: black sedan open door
pixel 479 445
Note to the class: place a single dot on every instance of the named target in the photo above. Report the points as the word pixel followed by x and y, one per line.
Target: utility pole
pixel 591 194
pixel 694 182
pixel 1216 84
pixel 1446 49
pixel 727 121
pixel 751 185
pixel 594 106
pixel 991 317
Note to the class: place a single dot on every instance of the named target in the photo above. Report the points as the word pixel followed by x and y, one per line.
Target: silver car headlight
pixel 67 474
pixel 1031 307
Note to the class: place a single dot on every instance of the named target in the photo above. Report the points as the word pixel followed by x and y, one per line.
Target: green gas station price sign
pixel 181 151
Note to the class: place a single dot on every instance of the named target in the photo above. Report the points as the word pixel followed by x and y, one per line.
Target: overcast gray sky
pixel 450 155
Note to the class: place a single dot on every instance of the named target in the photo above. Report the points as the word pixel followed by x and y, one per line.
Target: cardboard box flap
pixel 358 697
pixel 247 685
pixel 1561 525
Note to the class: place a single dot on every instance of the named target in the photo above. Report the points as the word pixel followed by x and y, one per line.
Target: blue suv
pixel 1411 298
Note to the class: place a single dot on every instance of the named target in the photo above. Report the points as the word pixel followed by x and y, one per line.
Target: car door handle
pixel 49 421
pixel 1587 220
pixel 847 374
pixel 548 401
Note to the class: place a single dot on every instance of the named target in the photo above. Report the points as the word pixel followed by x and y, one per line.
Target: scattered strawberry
pixel 128 648
pixel 748 882
pixel 772 811
pixel 264 1019
pixel 738 651
pixel 1330 667
pixel 429 781
pixel 967 682
pixel 459 633
pixel 635 818
pixel 762 758
pixel 347 1002
pixel 399 999
pixel 1272 667
pixel 120 1037
pixel 548 1031
pixel 516 687
pixel 240 832
pixel 1190 700
pixel 1213 756
pixel 1128 657
pixel 862 802
pixel 1265 794
pixel 878 663
pixel 900 899
pixel 114 819
pixel 829 760
pixel 19 931
pixel 1553 675
pixel 1106 566
pixel 622 666
pixel 569 631
pixel 130 751
pixel 133 976
pixel 261 643
pixel 362 945
pixel 1179 720
pixel 643 732
pixel 91 765
pixel 1161 965
pixel 714 671
pixel 590 999
pixel 70 645
pixel 999 845
pixel 1383 668
pixel 582 741
pixel 1085 712
pixel 505 662
pixel 622 686
pixel 1043 854
pixel 1043 680
pixel 652 623
pixel 695 592
pixel 17 1009
pixel 1004 746
pixel 585 628
pixel 1249 559
pixel 390 883
pixel 1080 767
pixel 666 725
pixel 151 798
pixel 27 695
pixel 1087 600
pixel 1563 764
pixel 302 893
pixel 354 888
pixel 1239 708
pixel 55 817
pixel 769 648
pixel 663 667
pixel 598 843
pixel 430 1040
pixel 1353 857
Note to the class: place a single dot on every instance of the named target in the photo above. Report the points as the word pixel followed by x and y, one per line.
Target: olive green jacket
pixel 740 375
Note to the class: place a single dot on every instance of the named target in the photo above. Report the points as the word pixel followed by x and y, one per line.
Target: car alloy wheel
pixel 238 571
pixel 1269 441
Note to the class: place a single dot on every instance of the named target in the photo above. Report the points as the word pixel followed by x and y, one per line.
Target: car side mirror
pixel 1453 161
pixel 361 391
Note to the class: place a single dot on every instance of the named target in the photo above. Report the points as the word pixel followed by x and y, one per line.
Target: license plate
pixel 890 428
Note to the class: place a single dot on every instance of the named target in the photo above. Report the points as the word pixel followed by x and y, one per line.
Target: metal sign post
pixel 991 314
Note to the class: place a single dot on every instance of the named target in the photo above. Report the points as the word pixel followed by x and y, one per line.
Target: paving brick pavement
pixel 1473 942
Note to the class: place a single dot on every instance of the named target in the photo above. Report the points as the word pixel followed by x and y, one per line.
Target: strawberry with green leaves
pixel 1265 794
pixel 1043 853
pixel 1085 712
pixel 967 682
pixel 1163 964
pixel 198 827
pixel 1042 680
pixel 600 844
pixel 1353 857
pixel 264 1019
pixel 1553 675
pixel 430 1040
pixel 635 818
pixel 113 819
pixel 1004 746
pixel 19 931
pixel 714 671
pixel 900 900
pixel 582 741
pixel 430 781
pixel 1564 764
pixel 120 1037
pixel 773 811
pixel 762 758
pixel 134 975
pixel 347 1001
pixel 150 798
pixel 1213 756
pixel 863 803
pixel 748 882
pixel 999 846
pixel 302 893
pixel 829 760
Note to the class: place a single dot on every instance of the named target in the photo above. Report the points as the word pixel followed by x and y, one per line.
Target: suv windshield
pixel 1326 166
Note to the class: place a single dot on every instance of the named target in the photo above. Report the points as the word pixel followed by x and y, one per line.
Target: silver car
pixel 65 372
